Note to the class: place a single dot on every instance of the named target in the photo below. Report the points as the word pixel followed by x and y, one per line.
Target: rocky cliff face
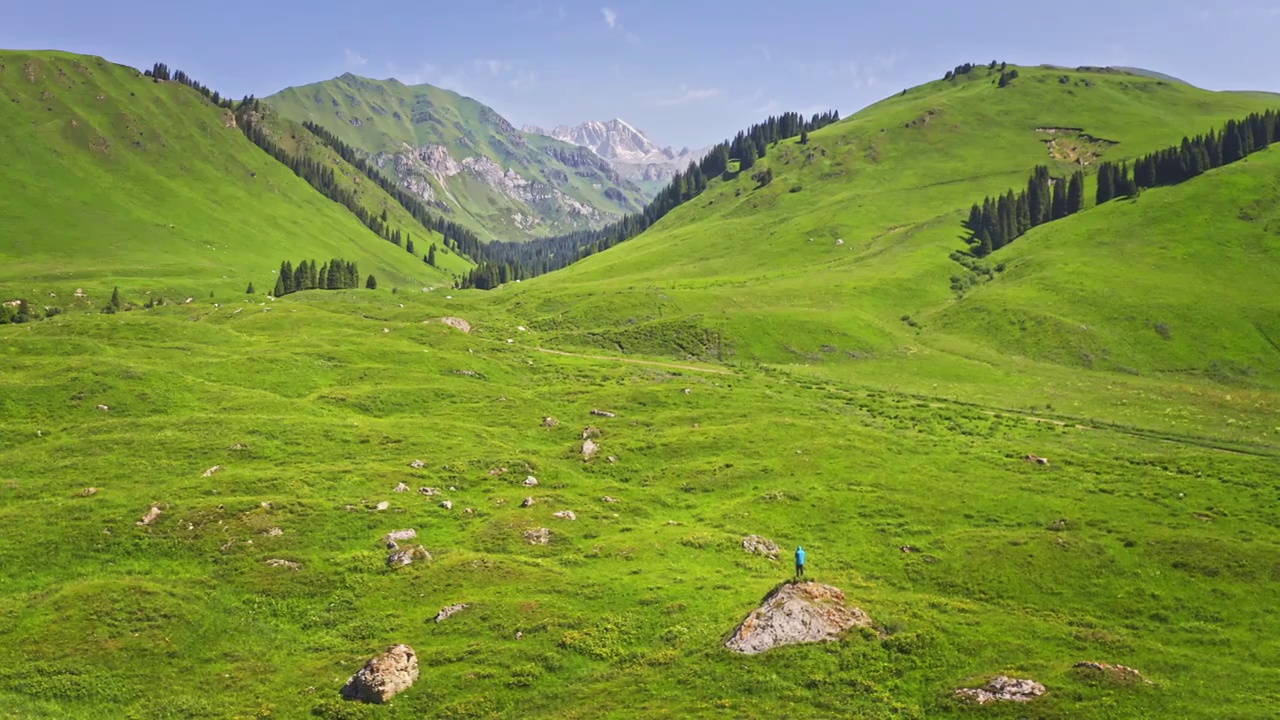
pixel 633 155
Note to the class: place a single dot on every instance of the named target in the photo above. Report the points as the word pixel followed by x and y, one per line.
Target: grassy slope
pixel 298 141
pixel 1166 551
pixel 386 111
pixel 759 269
pixel 111 179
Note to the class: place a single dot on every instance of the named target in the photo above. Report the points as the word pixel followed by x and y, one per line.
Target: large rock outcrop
pixel 797 613
pixel 384 676
pixel 1003 689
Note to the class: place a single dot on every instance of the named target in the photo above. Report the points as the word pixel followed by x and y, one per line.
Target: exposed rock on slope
pixel 796 613
pixel 1003 689
pixel 384 676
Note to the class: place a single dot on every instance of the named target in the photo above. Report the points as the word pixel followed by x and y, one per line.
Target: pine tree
pixel 1075 193
pixel 1024 213
pixel 113 305
pixel 279 291
pixel 804 137
pixel 371 283
pixel 313 277
pixel 748 156
pixel 1106 183
pixel 431 255
pixel 249 290
pixel 408 246
pixel 322 279
pixel 975 218
pixel 1059 200
pixel 300 277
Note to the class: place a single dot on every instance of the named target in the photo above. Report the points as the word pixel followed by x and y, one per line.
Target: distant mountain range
pixel 632 153
pixel 465 159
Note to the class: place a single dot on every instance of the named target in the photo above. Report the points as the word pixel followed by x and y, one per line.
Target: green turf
pixel 386 118
pixel 762 384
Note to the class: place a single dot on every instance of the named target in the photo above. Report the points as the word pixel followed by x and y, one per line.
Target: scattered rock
pixel 393 545
pixel 277 562
pixel 417 464
pixel 457 323
pixel 384 676
pixel 104 408
pixel 395 535
pixel 589 449
pixel 401 488
pixel 1003 689
pixel 550 422
pixel 407 557
pixel 89 491
pixel 612 459
pixel 382 506
pixel 273 532
pixel 590 432
pixel 796 613
pixel 238 447
pixel 446 504
pixel 531 481
pixel 265 505
pixel 566 515
pixel 519 635
pixel 688 391
pixel 468 511
pixel 497 471
pixel 150 517
pixel 909 549
pixel 468 373
pixel 1036 459
pixel 428 491
pixel 540 536
pixel 760 546
pixel 449 611
pixel 528 502
pixel 603 413
pixel 1058 525
pixel 1118 674
pixel 211 471
pixel 609 499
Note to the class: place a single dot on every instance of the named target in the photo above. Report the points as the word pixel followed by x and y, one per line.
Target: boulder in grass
pixel 1003 689
pixel 384 676
pixel 797 613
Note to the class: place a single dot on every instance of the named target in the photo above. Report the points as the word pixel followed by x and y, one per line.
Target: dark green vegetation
pixel 784 358
pixel 465 159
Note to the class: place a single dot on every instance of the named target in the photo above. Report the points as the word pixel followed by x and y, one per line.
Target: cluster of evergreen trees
pixel 1194 156
pixel 1000 221
pixel 1007 77
pixel 337 274
pixel 519 261
pixel 967 68
pixel 160 71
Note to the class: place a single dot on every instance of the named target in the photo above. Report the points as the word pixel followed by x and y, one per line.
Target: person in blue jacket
pixel 799 562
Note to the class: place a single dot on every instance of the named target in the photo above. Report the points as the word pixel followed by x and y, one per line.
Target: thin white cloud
pixel 610 17
pixel 688 94
pixel 768 56
pixel 353 60
pixel 493 68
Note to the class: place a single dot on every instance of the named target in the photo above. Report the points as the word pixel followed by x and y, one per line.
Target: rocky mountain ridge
pixel 631 153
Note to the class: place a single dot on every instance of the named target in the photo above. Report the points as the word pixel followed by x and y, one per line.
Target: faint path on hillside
pixel 653 363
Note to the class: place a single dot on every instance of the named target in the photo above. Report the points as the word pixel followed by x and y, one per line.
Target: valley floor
pixel 1124 549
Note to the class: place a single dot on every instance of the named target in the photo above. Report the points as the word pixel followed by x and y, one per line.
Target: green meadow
pixel 764 379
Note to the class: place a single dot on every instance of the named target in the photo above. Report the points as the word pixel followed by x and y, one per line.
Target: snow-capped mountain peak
pixel 628 150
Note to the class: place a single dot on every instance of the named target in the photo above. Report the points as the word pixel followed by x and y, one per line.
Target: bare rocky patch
pixel 797 613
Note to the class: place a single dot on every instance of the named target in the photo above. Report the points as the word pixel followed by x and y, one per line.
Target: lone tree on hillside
pixel 804 137
pixel 113 305
pixel 371 283
pixel 249 290
pixel 408 246
pixel 431 255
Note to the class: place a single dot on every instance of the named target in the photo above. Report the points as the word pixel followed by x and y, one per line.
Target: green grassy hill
pixel 500 181
pixel 751 274
pixel 113 179
pixel 763 380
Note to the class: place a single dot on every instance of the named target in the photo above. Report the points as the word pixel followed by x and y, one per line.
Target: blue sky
pixel 686 72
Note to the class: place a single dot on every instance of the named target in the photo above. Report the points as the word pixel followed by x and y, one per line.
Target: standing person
pixel 799 562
